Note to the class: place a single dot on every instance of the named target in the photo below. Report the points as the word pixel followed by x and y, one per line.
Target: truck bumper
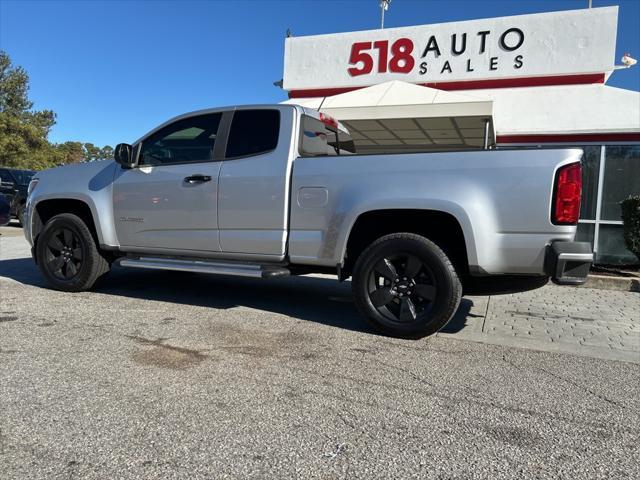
pixel 568 263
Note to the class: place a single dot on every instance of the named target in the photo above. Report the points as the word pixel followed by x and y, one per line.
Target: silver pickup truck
pixel 273 190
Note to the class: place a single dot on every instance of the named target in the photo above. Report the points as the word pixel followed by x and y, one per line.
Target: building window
pixel 586 232
pixel 621 178
pixel 611 247
pixel 590 170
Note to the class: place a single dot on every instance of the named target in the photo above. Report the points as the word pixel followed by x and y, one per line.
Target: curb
pixel 623 284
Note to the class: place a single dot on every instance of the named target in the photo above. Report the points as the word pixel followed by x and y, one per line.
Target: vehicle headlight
pixel 32 185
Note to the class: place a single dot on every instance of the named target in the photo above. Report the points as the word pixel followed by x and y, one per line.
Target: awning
pixel 564 114
pixel 399 116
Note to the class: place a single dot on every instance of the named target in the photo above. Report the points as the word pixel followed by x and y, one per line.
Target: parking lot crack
pixel 405 371
pixel 486 315
pixel 583 388
pixel 570 382
pixel 344 420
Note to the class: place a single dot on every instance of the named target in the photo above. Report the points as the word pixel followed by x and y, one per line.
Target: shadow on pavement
pixel 22 270
pixel 319 300
pixel 461 319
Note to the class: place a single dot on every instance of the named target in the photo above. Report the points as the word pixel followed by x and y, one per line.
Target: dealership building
pixel 529 81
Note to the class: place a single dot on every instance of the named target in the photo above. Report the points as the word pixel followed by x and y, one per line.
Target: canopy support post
pixel 486 134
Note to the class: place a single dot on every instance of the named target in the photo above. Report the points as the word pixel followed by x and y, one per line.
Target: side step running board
pixel 204 266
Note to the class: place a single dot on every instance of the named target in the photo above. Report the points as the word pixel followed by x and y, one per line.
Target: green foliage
pixel 72 152
pixel 631 219
pixel 24 132
pixel 15 84
pixel 92 153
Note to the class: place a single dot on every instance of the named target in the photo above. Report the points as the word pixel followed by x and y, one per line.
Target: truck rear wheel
pixel 406 286
pixel 67 255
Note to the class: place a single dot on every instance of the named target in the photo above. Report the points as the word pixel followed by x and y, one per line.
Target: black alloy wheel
pixel 405 286
pixel 402 287
pixel 64 254
pixel 67 254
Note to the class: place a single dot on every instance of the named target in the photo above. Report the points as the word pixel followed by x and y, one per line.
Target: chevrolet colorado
pixel 272 190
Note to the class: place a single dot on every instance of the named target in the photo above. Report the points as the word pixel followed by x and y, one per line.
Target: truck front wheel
pixel 405 286
pixel 67 255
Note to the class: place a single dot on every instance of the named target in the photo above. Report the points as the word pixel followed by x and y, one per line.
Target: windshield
pixel 23 177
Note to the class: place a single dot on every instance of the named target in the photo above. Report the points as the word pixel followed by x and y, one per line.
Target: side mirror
pixel 124 155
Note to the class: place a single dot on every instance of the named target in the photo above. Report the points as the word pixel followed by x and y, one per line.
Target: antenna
pixel 384 6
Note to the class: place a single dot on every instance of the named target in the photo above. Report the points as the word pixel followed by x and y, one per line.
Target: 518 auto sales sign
pixel 576 42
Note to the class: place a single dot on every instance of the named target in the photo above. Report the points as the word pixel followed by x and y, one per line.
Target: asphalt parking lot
pixel 165 375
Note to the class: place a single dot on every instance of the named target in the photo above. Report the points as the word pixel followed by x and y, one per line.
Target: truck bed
pixel 500 198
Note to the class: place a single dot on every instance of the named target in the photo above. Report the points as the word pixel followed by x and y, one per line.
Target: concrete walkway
pixel 583 321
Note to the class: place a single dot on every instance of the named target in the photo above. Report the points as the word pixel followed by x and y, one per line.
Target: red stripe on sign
pixel 471 84
pixel 520 82
pixel 570 138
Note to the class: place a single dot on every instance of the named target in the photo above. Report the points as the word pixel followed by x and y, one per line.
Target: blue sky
pixel 112 70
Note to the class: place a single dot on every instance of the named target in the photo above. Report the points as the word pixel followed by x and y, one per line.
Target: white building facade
pixel 528 81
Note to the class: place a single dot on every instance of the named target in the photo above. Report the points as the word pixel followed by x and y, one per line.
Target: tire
pixel 405 286
pixel 67 255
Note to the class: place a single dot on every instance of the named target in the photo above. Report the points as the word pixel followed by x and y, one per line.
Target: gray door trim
pixel 220 147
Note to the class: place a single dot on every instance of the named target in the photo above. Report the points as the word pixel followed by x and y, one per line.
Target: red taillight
pixel 328 120
pixel 567 195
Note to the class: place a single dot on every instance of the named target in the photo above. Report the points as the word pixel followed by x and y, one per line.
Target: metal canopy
pixel 402 117
pixel 419 134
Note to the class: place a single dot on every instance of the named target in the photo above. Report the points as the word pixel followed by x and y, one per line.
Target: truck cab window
pixel 190 140
pixel 319 139
pixel 253 132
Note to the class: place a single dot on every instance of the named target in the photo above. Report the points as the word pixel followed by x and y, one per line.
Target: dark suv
pixel 14 186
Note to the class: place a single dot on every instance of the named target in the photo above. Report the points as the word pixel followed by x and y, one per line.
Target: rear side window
pixel 253 132
pixel 320 139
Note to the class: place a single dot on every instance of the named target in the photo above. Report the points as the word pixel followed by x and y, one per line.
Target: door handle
pixel 197 179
